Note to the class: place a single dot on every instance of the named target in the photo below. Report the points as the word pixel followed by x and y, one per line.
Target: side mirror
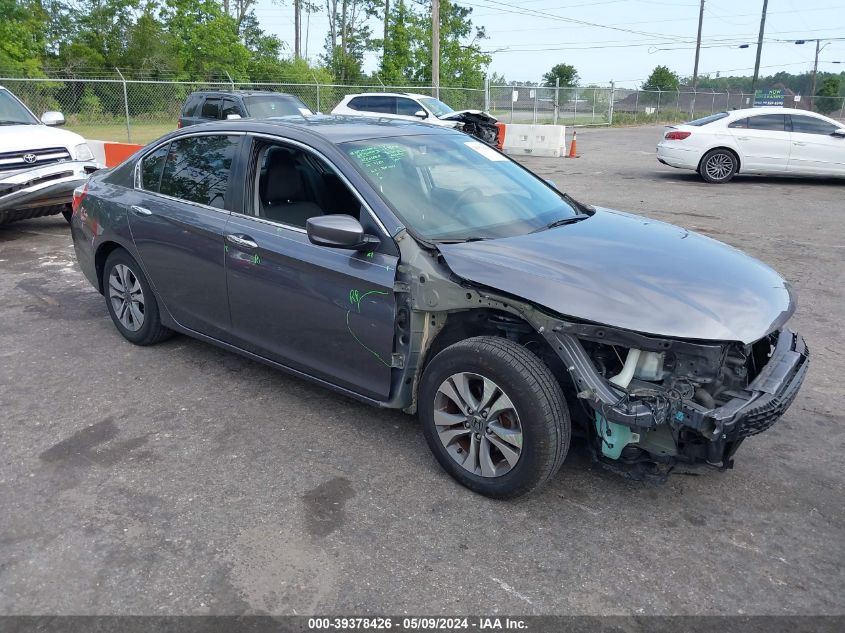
pixel 232 117
pixel 339 231
pixel 53 118
pixel 421 114
pixel 839 133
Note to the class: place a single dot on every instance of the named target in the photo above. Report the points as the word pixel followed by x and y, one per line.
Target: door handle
pixel 743 138
pixel 798 144
pixel 140 210
pixel 244 241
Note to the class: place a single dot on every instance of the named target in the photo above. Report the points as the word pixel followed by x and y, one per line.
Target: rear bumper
pixel 674 156
pixel 22 193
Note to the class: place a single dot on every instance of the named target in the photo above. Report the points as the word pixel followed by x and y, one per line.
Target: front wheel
pixel 718 166
pixel 130 300
pixel 494 416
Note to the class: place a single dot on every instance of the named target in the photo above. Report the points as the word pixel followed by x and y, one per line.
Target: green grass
pixel 142 131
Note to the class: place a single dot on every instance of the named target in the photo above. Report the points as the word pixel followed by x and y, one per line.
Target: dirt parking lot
pixel 181 479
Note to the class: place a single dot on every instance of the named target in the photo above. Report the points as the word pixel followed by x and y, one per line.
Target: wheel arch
pixel 100 256
pixel 726 148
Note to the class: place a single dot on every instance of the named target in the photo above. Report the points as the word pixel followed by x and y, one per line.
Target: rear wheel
pixel 130 300
pixel 494 416
pixel 718 166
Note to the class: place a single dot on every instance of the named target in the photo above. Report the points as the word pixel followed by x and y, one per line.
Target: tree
pixel 829 89
pixel 661 78
pixel 564 73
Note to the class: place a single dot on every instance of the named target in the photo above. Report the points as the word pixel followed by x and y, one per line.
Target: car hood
pixel 36 136
pixel 633 273
pixel 457 115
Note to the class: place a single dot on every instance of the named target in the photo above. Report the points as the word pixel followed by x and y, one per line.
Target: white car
pixel 40 166
pixel 415 107
pixel 773 141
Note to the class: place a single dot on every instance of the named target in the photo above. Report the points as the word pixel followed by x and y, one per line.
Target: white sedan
pixel 756 141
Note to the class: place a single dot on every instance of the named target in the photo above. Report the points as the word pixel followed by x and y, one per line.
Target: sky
pixel 623 40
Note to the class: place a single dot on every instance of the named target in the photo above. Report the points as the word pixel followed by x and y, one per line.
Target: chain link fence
pixel 142 110
pixel 620 106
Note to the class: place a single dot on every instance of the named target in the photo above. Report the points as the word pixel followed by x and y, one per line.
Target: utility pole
pixel 815 71
pixel 297 28
pixel 698 46
pixel 759 48
pixel 435 47
pixel 386 23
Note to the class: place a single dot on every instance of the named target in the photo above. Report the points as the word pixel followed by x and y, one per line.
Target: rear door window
pixel 771 122
pixel 811 125
pixel 151 168
pixel 211 108
pixel 192 105
pixel 197 169
pixel 358 103
pixel 229 107
pixel 381 104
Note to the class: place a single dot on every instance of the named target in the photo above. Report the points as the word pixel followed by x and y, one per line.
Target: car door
pixel 815 150
pixel 329 313
pixel 764 143
pixel 177 218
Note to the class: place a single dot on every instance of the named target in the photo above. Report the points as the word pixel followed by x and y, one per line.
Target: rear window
pixel 708 119
pixel 267 106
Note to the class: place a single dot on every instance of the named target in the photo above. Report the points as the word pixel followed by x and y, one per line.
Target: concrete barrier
pixel 111 154
pixel 535 140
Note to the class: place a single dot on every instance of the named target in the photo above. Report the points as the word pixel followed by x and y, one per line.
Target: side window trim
pixel 332 166
pixel 136 184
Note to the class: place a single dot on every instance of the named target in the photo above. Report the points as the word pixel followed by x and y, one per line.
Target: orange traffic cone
pixel 573 145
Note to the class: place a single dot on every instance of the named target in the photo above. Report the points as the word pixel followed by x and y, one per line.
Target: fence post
pixel 842 111
pixel 536 94
pixel 610 105
pixel 657 112
pixel 512 91
pixel 678 102
pixel 713 104
pixel 557 98
pixel 636 105
pixel 486 93
pixel 231 83
pixel 125 106
pixel 728 100
pixel 575 109
pixel 317 83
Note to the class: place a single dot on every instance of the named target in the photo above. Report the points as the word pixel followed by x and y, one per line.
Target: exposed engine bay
pixel 476 123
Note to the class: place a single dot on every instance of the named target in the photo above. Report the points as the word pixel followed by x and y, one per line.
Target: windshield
pixel 451 187
pixel 266 106
pixel 436 106
pixel 12 112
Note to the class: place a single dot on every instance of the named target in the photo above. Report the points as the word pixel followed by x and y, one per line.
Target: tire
pixel 718 166
pixel 535 429
pixel 140 321
pixel 67 213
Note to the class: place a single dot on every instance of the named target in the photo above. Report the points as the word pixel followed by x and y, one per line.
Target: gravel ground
pixel 181 479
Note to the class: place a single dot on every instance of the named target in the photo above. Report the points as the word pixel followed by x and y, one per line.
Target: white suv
pixel 40 166
pixel 416 107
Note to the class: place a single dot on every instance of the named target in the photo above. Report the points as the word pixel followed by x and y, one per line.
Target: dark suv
pixel 214 105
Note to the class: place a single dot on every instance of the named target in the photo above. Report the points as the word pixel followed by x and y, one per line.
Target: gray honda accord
pixel 415 268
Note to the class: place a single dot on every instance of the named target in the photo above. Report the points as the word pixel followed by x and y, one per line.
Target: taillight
pixel 78 196
pixel 676 135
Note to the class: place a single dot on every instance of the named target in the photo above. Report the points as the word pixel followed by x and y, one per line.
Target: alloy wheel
pixel 719 166
pixel 127 297
pixel 478 424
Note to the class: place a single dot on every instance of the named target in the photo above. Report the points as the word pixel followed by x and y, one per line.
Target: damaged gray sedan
pixel 367 256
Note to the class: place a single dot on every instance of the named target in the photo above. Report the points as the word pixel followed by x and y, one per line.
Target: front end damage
pixel 46 190
pixel 647 403
pixel 476 123
pixel 665 401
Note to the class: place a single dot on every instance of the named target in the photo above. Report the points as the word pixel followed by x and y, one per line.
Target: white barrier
pixel 535 140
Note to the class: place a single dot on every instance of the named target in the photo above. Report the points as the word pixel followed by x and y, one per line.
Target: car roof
pixel 243 93
pixel 333 128
pixel 412 95
pixel 771 110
